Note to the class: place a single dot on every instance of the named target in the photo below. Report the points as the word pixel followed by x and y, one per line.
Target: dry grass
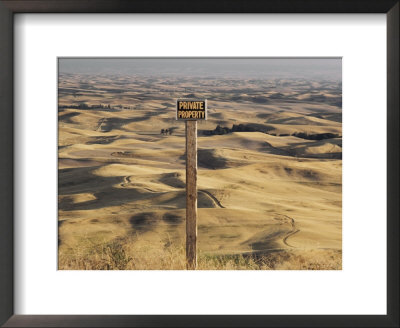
pixel 129 254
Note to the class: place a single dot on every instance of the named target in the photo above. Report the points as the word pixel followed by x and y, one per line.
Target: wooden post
pixel 191 194
pixel 191 110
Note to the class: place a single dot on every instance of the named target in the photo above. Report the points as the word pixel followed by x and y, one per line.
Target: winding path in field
pixel 215 199
pixel 291 233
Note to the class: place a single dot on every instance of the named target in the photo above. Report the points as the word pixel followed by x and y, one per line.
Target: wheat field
pixel 269 173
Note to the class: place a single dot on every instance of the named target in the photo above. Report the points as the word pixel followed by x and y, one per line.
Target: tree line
pixel 166 131
pixel 84 105
pixel 220 130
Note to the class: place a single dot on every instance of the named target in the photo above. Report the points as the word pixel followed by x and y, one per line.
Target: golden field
pixel 269 192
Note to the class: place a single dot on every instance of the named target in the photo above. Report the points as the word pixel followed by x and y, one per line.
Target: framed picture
pixel 102 114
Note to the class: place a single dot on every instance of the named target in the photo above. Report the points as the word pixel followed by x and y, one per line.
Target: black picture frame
pixel 10 7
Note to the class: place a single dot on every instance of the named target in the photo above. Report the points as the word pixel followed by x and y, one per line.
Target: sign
pixel 191 109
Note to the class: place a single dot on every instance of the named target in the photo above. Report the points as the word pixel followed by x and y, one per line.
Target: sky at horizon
pixel 298 68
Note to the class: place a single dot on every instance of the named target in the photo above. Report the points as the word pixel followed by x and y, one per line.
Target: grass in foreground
pixel 123 255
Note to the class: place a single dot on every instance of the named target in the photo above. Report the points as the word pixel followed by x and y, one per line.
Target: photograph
pixel 267 171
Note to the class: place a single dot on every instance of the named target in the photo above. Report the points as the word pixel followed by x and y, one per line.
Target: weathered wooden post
pixel 191 194
pixel 191 110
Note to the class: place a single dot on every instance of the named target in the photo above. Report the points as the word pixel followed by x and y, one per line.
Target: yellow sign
pixel 191 109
